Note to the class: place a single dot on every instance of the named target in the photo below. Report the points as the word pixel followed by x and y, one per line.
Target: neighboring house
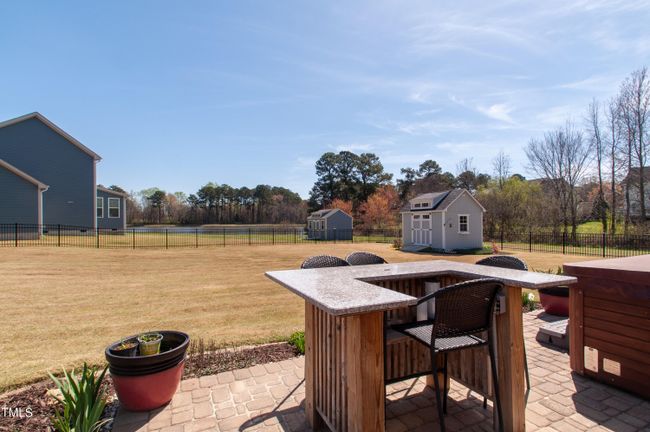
pixel 111 209
pixel 329 224
pixel 449 220
pixel 37 154
pixel 635 195
pixel 22 200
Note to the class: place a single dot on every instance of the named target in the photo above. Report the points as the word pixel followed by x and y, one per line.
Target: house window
pixel 417 205
pixel 100 207
pixel 463 224
pixel 113 207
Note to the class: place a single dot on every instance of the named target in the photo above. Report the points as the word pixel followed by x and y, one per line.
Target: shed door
pixel 426 229
pixel 421 233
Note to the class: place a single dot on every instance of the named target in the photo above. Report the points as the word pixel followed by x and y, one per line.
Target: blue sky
pixel 249 92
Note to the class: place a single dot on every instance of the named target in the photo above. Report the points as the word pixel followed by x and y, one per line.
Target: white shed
pixel 445 221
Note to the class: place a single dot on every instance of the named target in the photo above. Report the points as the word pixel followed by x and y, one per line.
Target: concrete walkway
pixel 269 397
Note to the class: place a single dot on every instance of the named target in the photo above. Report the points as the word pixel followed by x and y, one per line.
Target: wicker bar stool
pixel 323 261
pixel 514 263
pixel 463 312
pixel 364 258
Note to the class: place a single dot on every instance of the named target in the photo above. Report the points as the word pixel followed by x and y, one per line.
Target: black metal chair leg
pixel 495 381
pixel 445 388
pixel 436 385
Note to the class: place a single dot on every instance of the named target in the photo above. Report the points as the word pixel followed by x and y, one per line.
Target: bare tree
pixel 612 140
pixel 501 167
pixel 635 107
pixel 598 145
pixel 561 158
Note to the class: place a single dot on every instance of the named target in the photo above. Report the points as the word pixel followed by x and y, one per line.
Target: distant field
pixel 61 306
pixel 595 227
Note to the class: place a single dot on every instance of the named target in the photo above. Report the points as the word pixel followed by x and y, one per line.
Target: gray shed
pixel 329 224
pixel 111 209
pixel 445 221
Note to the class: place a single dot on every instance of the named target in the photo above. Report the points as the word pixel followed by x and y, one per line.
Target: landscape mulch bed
pixel 203 359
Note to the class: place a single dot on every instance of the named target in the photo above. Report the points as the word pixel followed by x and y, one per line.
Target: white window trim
pixel 99 207
pixel 463 232
pixel 119 209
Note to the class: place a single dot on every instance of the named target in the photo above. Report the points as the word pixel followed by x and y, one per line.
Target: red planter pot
pixel 555 301
pixel 143 383
pixel 147 392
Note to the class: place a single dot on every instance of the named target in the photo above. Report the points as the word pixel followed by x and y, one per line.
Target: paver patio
pixel 269 398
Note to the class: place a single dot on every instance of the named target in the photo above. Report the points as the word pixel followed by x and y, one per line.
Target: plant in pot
pixel 125 348
pixel 145 382
pixel 150 343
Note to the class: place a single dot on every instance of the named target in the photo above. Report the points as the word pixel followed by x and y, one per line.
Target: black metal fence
pixel 24 235
pixel 605 245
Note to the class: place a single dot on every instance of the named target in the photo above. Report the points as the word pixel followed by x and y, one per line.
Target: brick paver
pixel 270 398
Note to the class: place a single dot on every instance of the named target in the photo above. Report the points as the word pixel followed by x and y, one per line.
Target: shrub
pixel 83 400
pixel 495 248
pixel 397 243
pixel 298 341
pixel 528 301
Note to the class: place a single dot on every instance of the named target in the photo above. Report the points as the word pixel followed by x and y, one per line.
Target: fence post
pixel 223 236
pixel 16 234
pixel 97 229
pixel 249 236
pixel 564 243
pixel 501 239
pixel 604 241
pixel 196 237
pixel 272 235
pixel 166 238
pixel 335 235
pixel 295 235
pixel 58 235
pixel 530 241
pixel 133 235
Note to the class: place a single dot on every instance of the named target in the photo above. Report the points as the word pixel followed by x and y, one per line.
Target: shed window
pixel 100 207
pixel 463 224
pixel 113 207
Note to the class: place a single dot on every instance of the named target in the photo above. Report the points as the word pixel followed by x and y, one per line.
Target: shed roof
pixel 55 128
pixel 440 200
pixel 6 165
pixel 325 213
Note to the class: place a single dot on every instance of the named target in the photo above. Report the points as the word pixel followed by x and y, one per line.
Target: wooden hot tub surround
pixel 609 321
pixel 347 362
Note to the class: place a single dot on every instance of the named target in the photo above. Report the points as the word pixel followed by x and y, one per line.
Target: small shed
pixel 444 221
pixel 329 224
pixel 111 209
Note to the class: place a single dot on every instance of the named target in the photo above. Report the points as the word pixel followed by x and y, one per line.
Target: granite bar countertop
pixel 349 290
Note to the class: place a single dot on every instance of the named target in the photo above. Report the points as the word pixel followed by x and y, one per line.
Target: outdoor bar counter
pixel 346 364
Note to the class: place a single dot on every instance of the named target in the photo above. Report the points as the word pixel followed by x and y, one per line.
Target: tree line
pixel 216 204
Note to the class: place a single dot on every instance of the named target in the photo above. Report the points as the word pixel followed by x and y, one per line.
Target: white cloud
pixel 355 147
pixel 498 112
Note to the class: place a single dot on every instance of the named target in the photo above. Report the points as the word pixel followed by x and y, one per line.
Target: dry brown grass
pixel 61 307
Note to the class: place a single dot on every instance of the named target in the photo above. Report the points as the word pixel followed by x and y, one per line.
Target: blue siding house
pixel 111 209
pixel 22 200
pixel 34 151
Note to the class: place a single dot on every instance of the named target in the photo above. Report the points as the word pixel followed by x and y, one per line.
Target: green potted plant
pixel 125 348
pixel 149 343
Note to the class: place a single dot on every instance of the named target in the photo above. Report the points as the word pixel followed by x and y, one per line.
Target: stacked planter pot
pixel 143 383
